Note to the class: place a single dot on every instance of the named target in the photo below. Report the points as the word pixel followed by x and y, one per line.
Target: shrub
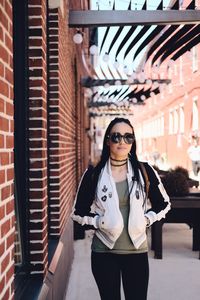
pixel 176 184
pixel 182 170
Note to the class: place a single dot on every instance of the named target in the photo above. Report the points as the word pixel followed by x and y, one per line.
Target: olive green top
pixel 123 245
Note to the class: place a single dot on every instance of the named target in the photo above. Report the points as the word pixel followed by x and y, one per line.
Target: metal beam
pixel 89 82
pixel 99 18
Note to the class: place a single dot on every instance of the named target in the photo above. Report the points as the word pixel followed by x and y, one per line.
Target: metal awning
pixel 164 33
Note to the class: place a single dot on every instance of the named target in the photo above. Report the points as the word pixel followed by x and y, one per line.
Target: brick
pixel 2 103
pixel 1 33
pixel 36 73
pixel 36 226
pixel 36 174
pixel 41 134
pixel 9 109
pixel 4 158
pixel 2 248
pixel 55 40
pixel 10 241
pixel 4 54
pixel 38 194
pixel 37 215
pixel 5 227
pixel 4 86
pixel 13 221
pixel 53 52
pixel 5 261
pixel 36 62
pixel 37 256
pixel 35 11
pixel 36 43
pixel 9 273
pixel 3 19
pixel 6 295
pixel 11 154
pixel 11 126
pixel 37 124
pixel 8 42
pixel 1 69
pixel 37 246
pixel 38 144
pixel 37 235
pixel 5 192
pixel 40 113
pixel 4 124
pixel 2 212
pixel 8 75
pixel 38 164
pixel 36 83
pixel 40 103
pixel 1 143
pixel 2 284
pixel 36 53
pixel 8 9
pixel 9 142
pixel 2 176
pixel 10 174
pixel 35 22
pixel 12 189
pixel 36 205
pixel 10 207
pixel 52 18
pixel 11 93
pixel 38 154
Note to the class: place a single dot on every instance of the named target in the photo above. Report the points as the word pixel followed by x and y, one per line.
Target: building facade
pixel 169 121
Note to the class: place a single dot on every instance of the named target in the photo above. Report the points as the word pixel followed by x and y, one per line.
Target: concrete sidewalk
pixel 175 277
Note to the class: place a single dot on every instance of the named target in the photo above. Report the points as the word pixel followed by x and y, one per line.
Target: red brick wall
pixel 64 141
pixel 65 121
pixel 38 135
pixel 6 153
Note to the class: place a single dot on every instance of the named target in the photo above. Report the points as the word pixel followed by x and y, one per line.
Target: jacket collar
pixel 108 170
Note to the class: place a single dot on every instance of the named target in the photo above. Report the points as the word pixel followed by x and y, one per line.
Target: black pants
pixel 196 167
pixel 109 268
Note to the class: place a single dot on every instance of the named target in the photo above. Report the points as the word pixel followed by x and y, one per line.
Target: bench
pixel 183 210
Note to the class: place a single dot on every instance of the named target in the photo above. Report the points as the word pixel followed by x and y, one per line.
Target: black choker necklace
pixel 118 159
pixel 118 165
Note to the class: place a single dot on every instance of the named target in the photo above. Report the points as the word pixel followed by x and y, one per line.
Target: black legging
pixel 108 268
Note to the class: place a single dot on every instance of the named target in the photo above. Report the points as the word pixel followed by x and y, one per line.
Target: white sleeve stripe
pixel 160 186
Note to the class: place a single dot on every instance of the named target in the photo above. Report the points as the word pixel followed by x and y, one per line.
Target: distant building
pixel 165 126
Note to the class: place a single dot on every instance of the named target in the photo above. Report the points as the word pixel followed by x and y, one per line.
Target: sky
pixel 121 5
pixel 127 63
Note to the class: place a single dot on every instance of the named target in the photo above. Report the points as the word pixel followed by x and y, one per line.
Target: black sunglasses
pixel 116 138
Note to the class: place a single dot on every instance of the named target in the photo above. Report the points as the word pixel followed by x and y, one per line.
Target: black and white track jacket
pixel 103 213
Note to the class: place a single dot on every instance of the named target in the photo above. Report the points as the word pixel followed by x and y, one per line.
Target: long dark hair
pixel 106 153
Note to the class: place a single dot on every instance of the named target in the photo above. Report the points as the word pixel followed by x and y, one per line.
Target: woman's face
pixel 121 149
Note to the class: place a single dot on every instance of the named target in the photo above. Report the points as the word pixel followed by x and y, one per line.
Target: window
pixel 181 119
pixel 171 122
pixel 194 59
pixel 162 125
pixel 195 114
pixel 175 121
pixel 181 72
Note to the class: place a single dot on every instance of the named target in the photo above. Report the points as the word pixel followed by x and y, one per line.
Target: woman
pixel 112 199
